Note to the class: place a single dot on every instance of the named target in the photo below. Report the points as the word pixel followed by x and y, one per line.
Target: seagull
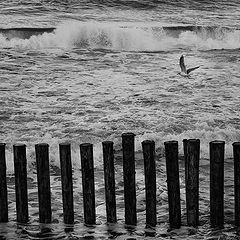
pixel 184 70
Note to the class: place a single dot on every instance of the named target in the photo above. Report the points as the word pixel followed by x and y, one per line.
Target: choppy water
pixel 101 68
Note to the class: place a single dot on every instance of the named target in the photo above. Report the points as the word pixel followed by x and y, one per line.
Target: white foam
pixel 113 36
pixel 202 41
pixel 206 135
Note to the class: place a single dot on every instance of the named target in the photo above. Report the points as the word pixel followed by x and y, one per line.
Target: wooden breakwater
pixel 191 156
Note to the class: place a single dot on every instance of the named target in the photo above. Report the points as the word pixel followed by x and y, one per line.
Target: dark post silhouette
pixel 217 184
pixel 86 151
pixel 43 177
pixel 129 178
pixel 171 153
pixel 67 185
pixel 236 156
pixel 20 169
pixel 185 158
pixel 3 185
pixel 150 182
pixel 109 177
pixel 192 155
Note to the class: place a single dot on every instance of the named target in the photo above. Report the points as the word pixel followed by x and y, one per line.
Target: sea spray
pixel 229 135
pixel 117 37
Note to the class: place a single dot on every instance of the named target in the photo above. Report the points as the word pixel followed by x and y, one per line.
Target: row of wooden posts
pixel 191 156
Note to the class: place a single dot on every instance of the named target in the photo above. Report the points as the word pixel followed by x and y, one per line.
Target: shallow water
pixel 108 68
pixel 58 230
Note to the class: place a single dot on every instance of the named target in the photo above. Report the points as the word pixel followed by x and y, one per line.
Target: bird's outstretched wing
pixel 182 65
pixel 191 69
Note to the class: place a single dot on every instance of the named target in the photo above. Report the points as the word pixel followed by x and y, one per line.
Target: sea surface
pixel 87 71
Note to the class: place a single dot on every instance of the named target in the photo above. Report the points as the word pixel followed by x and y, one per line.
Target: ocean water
pixel 88 71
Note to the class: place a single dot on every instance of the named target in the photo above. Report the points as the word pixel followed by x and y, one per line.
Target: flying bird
pixel 184 70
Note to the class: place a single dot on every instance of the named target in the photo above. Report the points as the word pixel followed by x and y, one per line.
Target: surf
pixel 122 37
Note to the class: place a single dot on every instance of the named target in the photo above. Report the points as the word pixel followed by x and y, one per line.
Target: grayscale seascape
pixel 88 71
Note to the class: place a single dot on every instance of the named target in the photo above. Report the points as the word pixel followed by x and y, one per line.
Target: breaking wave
pixel 205 135
pixel 117 37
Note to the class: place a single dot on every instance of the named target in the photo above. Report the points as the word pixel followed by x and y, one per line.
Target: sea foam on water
pixel 117 37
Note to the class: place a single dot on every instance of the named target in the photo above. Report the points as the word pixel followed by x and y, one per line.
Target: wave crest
pixel 116 37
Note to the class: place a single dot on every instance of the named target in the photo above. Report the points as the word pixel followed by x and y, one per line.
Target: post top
pixel 217 142
pixel 64 144
pixel 191 140
pixel 19 145
pixel 236 144
pixel 170 142
pixel 128 134
pixel 148 142
pixel 107 142
pixel 42 145
pixel 86 144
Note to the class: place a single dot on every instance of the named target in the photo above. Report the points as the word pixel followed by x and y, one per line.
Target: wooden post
pixel 192 154
pixel 185 158
pixel 86 151
pixel 129 178
pixel 67 185
pixel 236 156
pixel 217 184
pixel 109 177
pixel 43 177
pixel 150 182
pixel 171 152
pixel 20 169
pixel 3 186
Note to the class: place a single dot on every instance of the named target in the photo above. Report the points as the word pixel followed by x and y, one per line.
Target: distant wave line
pixel 27 32
pixel 30 29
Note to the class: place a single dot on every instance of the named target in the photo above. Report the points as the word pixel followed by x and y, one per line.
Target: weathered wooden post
pixel 20 169
pixel 236 157
pixel 109 177
pixel 67 184
pixel 86 151
pixel 185 157
pixel 150 182
pixel 43 177
pixel 217 184
pixel 129 178
pixel 3 185
pixel 171 153
pixel 192 155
